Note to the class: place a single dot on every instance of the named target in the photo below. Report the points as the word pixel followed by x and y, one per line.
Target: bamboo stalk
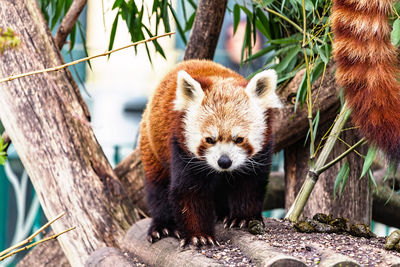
pixel 302 197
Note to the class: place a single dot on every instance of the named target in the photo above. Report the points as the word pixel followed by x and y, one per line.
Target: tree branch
pixel 207 26
pixel 68 22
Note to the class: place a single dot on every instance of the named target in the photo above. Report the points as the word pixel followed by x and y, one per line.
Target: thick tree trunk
pixel 48 126
pixel 205 32
pixel 356 201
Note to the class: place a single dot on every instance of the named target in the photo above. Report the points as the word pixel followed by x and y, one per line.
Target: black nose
pixel 224 162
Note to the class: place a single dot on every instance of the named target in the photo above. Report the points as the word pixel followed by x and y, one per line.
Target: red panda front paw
pixel 154 234
pixel 198 241
pixel 239 222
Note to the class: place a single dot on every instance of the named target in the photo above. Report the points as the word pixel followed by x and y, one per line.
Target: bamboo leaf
pixel 315 128
pixel 368 160
pixel 395 35
pixel 72 37
pixel 324 57
pixel 189 23
pixel 165 17
pixel 112 35
pixel 236 17
pixel 267 2
pixel 372 178
pixel 118 3
pixel 261 53
pixel 81 33
pixel 343 172
pixel 391 170
pixel 344 180
pixel 178 25
pixel 288 58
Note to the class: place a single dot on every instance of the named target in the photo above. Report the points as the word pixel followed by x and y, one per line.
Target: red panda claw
pixel 225 221
pixel 177 234
pixel 156 234
pixel 195 241
pixel 242 224
pixel 182 243
pixel 210 241
pixel 165 231
pixel 225 225
pixel 233 223
pixel 218 244
pixel 203 240
pixel 150 238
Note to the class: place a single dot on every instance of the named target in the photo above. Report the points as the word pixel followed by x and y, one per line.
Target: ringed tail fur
pixel 367 69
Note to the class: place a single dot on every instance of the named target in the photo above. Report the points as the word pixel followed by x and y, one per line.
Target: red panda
pixel 206 145
pixel 367 69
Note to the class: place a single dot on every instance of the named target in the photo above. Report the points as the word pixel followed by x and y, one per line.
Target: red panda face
pixel 224 124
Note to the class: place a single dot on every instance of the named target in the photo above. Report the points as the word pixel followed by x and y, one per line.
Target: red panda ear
pixel 262 86
pixel 188 91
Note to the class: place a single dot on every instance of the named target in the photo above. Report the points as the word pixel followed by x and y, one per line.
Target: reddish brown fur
pixel 367 69
pixel 160 121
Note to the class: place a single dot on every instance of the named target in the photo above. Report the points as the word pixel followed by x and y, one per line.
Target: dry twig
pixel 13 77
pixel 17 247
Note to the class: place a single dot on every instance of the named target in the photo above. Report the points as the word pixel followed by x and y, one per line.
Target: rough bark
pixel 280 245
pixel 48 126
pixel 131 174
pixel 290 126
pixel 206 28
pixel 68 22
pixel 356 201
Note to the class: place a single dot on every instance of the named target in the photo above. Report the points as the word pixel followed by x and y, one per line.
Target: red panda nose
pixel 224 162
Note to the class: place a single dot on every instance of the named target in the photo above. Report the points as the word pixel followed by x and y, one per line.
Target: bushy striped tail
pixel 367 69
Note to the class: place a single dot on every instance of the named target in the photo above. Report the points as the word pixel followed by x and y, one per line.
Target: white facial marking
pixel 237 154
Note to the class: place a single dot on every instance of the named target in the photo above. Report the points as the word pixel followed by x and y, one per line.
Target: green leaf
pixel 113 31
pixel 261 53
pixel 315 124
pixel 345 177
pixel 236 17
pixel 341 178
pixel 317 71
pixel 391 170
pixel 189 23
pixel 267 2
pixel 395 35
pixel 288 58
pixel 368 160
pixel 119 3
pixel 178 25
pixel 372 178
pixel 72 37
pixel 295 38
pixel 262 23
pixel 301 92
pixel 83 37
pixel 156 44
pixel 165 17
pixel 324 57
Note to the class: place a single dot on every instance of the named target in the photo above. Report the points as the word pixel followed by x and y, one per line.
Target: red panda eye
pixel 238 140
pixel 210 140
